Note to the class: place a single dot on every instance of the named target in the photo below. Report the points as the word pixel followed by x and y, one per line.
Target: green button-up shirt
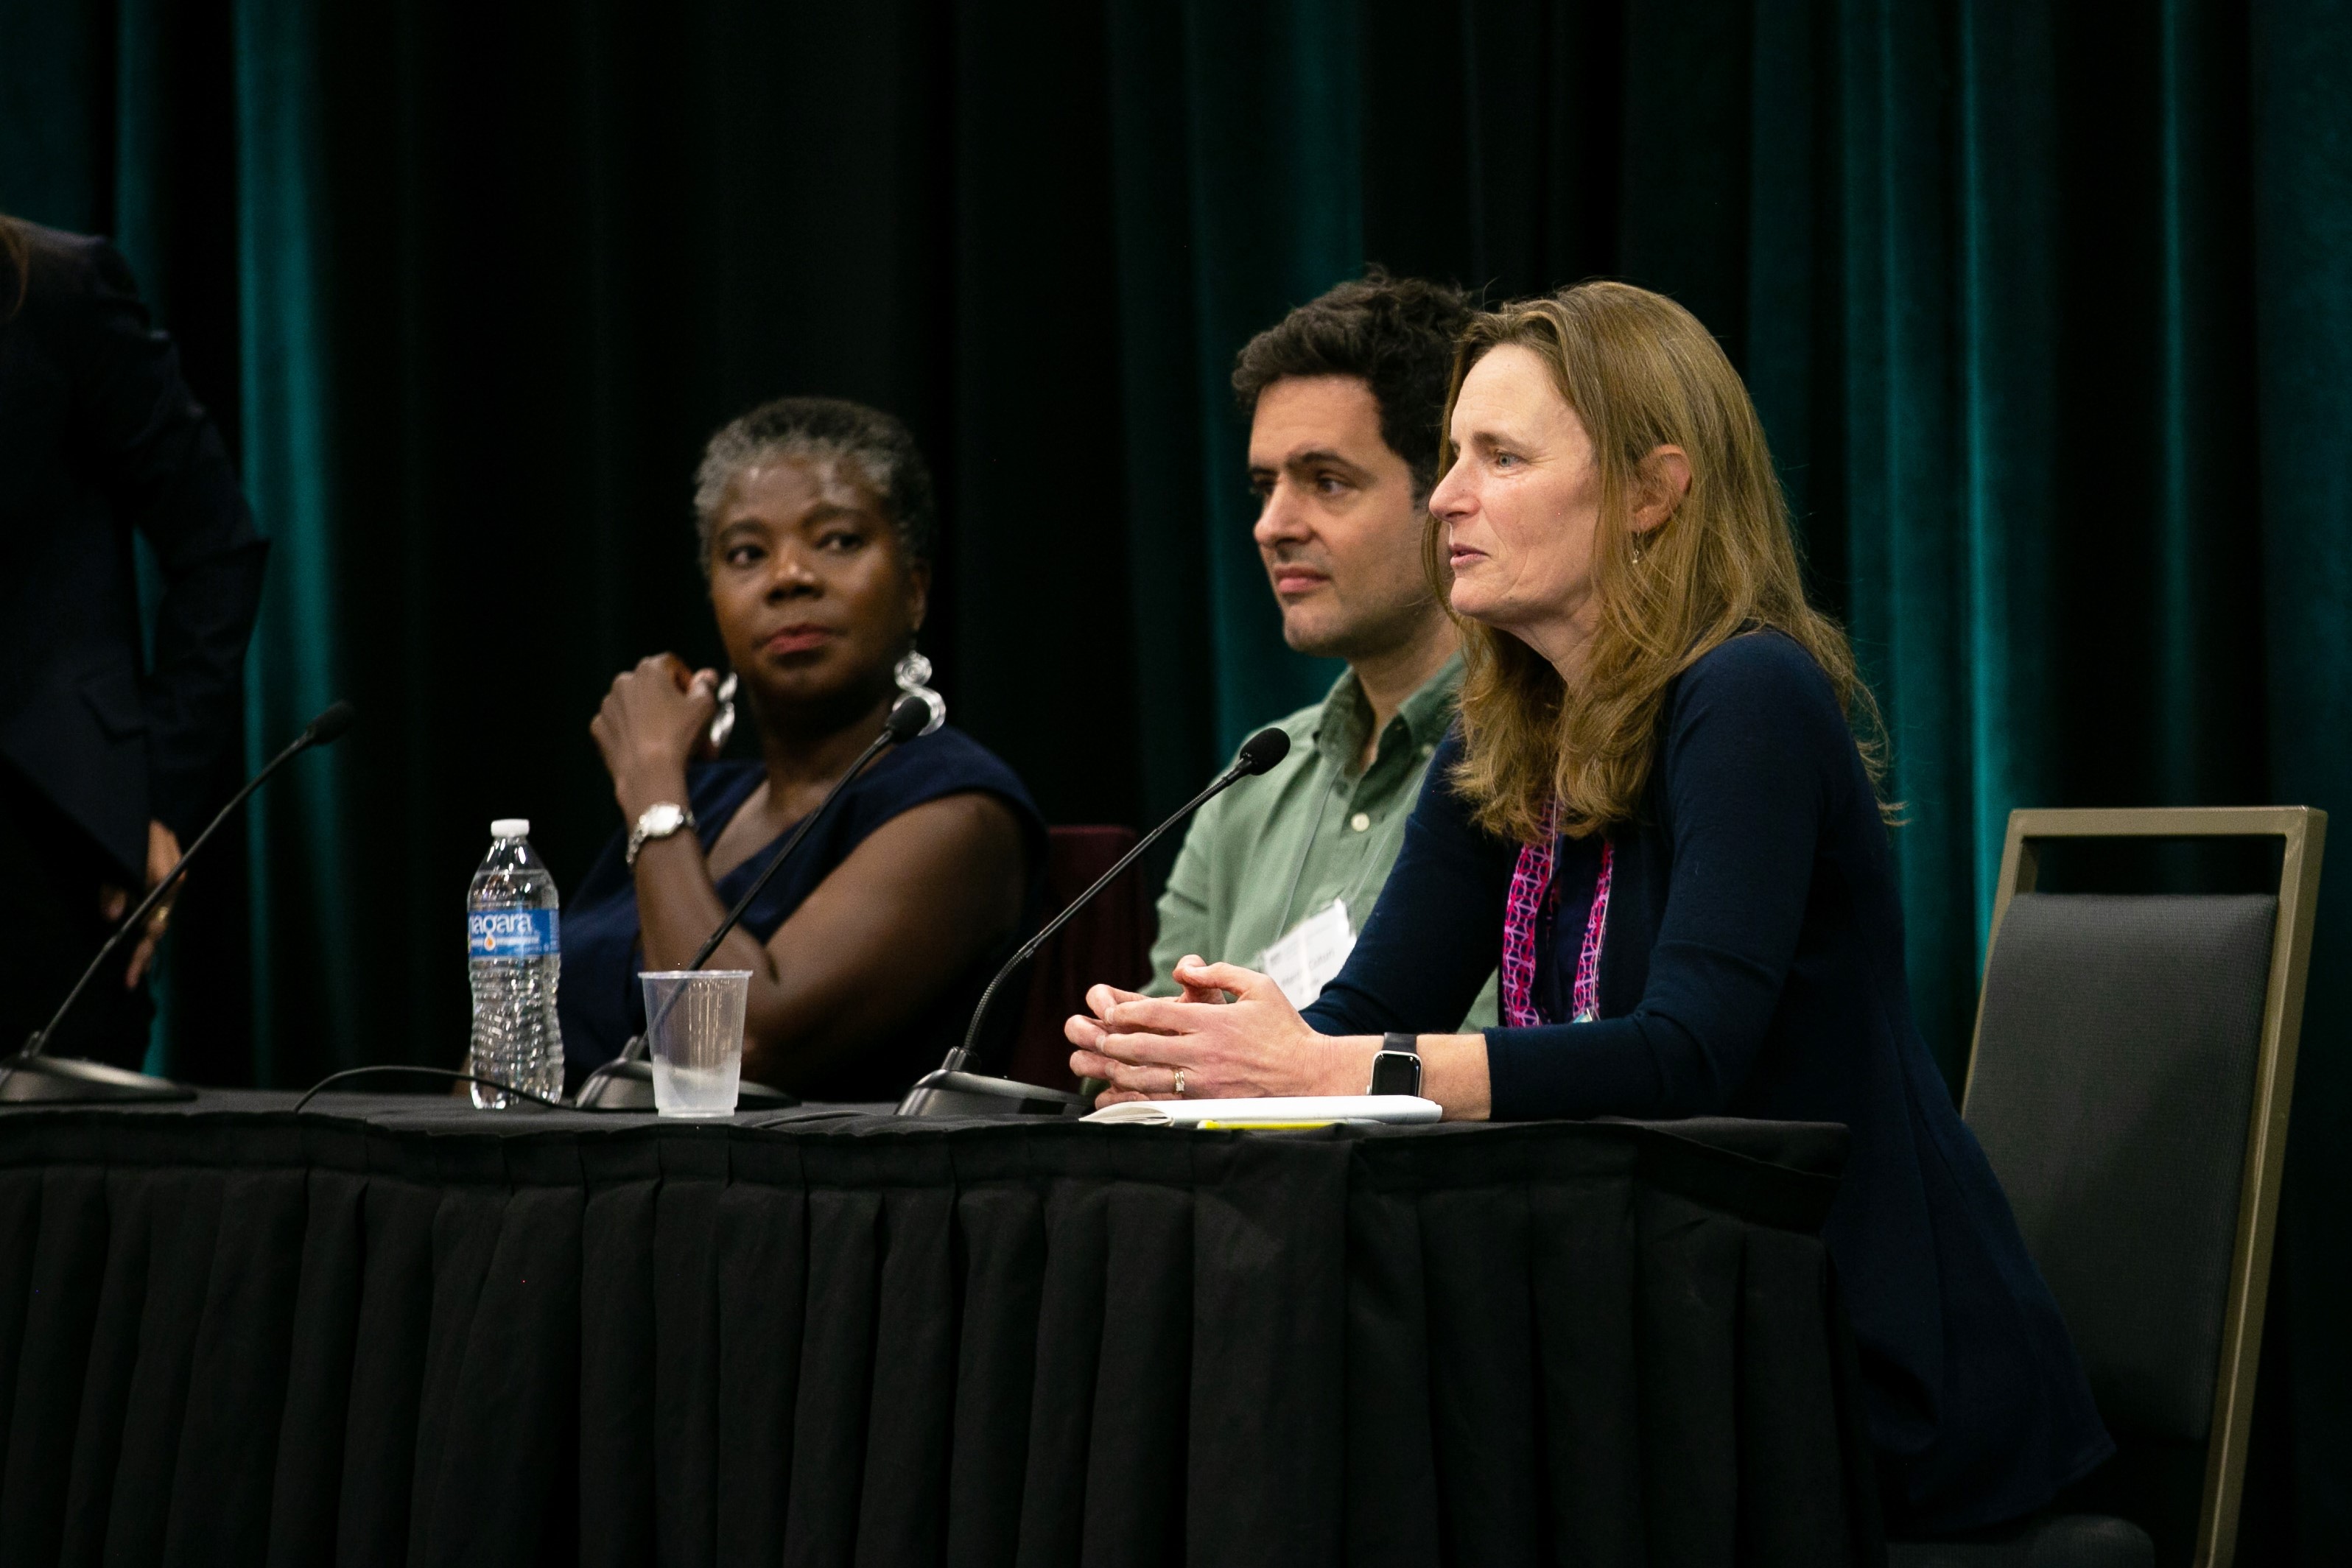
pixel 1265 855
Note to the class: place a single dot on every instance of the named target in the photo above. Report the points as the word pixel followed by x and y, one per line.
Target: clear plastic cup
pixel 694 1031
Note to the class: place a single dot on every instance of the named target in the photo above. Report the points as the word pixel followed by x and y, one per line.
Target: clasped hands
pixel 1251 1045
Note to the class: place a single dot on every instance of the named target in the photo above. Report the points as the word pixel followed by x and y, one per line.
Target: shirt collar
pixel 1430 709
pixel 1340 727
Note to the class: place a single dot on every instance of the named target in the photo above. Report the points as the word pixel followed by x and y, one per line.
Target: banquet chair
pixel 1110 939
pixel 2129 1082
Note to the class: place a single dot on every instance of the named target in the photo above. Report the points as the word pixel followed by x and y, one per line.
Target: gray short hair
pixel 823 429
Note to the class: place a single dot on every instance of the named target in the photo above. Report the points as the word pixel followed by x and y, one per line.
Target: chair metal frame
pixel 2303 833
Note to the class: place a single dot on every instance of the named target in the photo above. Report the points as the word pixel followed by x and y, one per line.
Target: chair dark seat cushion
pixel 2064 1541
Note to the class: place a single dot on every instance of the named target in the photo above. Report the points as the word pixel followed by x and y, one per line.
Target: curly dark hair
pixel 876 444
pixel 1395 334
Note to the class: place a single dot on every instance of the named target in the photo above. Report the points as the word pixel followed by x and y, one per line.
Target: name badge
pixel 1311 955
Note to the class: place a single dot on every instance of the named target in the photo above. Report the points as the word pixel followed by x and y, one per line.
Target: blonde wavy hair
pixel 1640 372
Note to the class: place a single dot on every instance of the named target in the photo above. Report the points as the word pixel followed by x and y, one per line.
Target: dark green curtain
pixel 2048 311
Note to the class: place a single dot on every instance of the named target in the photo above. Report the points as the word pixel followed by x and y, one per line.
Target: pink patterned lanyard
pixel 1531 886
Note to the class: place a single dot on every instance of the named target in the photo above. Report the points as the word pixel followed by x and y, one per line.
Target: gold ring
pixel 1180 1084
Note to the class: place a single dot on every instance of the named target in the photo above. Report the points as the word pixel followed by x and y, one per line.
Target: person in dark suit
pixel 1660 814
pixel 106 753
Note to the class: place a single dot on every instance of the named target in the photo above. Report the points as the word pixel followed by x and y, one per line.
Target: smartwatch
pixel 660 821
pixel 1397 1068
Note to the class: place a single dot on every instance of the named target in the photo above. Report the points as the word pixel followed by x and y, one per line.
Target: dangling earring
pixel 913 675
pixel 722 722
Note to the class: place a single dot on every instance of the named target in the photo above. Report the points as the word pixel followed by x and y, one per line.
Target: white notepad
pixel 1296 1111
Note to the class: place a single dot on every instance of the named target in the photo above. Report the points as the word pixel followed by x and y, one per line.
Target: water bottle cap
pixel 511 828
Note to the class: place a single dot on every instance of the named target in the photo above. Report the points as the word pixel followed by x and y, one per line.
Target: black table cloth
pixel 394 1330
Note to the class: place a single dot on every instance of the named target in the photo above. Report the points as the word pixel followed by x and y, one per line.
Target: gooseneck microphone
pixel 625 1082
pixel 31 1075
pixel 951 1090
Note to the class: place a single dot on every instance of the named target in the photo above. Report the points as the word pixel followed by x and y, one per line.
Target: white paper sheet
pixel 1308 1110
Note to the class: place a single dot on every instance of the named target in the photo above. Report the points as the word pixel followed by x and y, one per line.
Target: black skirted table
pixel 394 1330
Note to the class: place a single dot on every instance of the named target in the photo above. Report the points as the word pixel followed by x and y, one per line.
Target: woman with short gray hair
pixel 814 520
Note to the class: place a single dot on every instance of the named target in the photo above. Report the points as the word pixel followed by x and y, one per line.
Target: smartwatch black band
pixel 1397 1068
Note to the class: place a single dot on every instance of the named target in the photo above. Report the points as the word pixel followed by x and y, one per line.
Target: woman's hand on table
pixel 1087 1030
pixel 1256 1045
pixel 650 726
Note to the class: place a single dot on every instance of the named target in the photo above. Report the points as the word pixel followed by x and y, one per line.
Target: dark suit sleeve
pixel 1433 938
pixel 1755 746
pixel 160 461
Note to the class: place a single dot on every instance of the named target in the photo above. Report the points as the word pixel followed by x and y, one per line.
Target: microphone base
pixel 629 1086
pixel 63 1079
pixel 943 1094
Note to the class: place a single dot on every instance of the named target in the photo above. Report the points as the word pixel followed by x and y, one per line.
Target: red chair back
pixel 1110 939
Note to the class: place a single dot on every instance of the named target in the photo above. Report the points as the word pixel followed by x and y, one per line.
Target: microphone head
pixel 910 717
pixel 328 726
pixel 1261 751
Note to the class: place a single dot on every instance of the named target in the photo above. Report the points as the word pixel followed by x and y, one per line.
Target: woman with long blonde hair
pixel 1660 815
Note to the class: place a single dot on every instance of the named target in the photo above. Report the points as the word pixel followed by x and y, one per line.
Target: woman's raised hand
pixel 648 727
pixel 1257 1045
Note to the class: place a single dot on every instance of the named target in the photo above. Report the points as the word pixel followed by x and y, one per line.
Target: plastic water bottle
pixel 514 954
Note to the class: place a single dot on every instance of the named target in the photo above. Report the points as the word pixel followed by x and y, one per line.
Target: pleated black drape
pixel 2047 310
pixel 258 1338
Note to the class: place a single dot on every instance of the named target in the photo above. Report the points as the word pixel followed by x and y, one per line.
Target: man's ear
pixel 1665 481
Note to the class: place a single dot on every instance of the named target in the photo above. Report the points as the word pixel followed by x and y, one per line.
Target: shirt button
pixel 1429 751
pixel 1361 820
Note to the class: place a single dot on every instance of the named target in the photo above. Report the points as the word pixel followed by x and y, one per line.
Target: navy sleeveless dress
pixel 602 1005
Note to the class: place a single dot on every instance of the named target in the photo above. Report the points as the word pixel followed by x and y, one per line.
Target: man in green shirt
pixel 1344 396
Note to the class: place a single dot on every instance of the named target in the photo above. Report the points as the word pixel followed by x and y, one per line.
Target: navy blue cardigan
pixel 1752 966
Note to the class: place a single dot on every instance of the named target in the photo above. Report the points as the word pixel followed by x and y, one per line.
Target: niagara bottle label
pixel 511 934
